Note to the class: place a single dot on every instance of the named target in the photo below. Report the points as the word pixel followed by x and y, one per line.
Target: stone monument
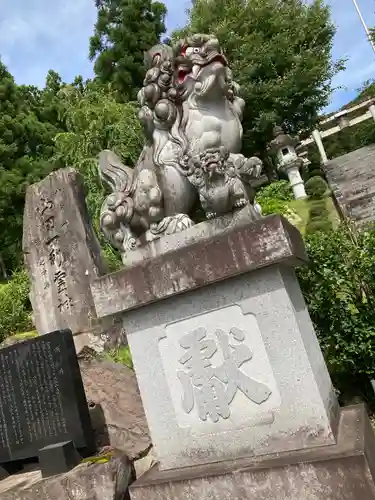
pixel 62 256
pixel 42 399
pixel 236 392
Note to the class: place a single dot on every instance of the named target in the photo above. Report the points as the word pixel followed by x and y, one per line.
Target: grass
pixel 98 459
pixel 121 355
pixel 26 335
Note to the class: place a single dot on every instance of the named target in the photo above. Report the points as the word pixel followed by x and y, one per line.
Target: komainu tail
pixel 114 173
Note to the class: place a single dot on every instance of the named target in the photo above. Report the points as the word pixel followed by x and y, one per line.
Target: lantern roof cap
pixel 281 139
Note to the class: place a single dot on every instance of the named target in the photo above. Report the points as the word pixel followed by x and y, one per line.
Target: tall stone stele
pixel 62 256
pixel 236 392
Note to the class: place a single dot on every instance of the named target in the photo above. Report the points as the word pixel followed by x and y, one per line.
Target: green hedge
pixel 339 288
pixel 316 187
pixel 275 197
pixel 318 217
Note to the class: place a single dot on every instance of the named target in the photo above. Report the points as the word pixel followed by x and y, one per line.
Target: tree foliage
pixel 26 147
pixel 45 129
pixel 95 120
pixel 15 313
pixel 274 197
pixel 124 31
pixel 280 53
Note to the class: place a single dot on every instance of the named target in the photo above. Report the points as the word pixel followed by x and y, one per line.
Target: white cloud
pixel 37 35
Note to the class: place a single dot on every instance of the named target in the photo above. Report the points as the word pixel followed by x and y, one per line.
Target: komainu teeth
pixel 195 70
pixel 240 203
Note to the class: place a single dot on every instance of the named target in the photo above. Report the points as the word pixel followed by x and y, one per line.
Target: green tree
pixel 124 31
pixel 26 144
pixel 95 121
pixel 15 310
pixel 280 54
pixel 45 103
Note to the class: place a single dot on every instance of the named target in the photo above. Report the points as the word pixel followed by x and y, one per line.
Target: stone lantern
pixel 283 145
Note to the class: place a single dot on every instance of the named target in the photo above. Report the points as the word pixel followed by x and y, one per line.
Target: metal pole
pixel 364 24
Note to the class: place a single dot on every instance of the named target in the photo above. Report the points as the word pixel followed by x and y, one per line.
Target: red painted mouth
pixel 182 76
pixel 184 73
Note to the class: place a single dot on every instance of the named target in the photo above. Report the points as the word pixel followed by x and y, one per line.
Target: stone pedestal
pixel 344 471
pixel 227 360
pixel 235 369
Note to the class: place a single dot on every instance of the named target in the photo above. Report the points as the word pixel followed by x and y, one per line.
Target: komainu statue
pixel 191 112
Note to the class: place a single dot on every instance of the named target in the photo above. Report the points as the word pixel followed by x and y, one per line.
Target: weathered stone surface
pixel 352 179
pixel 97 481
pixel 203 231
pixel 344 471
pixel 116 408
pixel 197 262
pixel 255 328
pixel 145 463
pixel 62 254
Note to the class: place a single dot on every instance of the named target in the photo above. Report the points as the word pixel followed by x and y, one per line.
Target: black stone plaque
pixel 42 399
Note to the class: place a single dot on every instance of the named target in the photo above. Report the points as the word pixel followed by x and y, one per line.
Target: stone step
pixel 359 170
pixel 352 176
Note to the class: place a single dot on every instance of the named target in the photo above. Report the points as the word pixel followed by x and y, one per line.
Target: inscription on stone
pixel 42 400
pixel 218 371
pixel 62 254
pixel 213 388
pixel 47 212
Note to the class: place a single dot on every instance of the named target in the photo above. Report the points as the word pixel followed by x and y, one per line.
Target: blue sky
pixel 38 35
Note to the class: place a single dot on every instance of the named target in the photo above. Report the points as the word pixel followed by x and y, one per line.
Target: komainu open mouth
pixel 194 71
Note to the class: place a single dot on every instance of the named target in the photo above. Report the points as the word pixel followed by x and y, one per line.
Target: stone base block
pixel 344 471
pixel 232 370
pixel 58 458
pixel 87 481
